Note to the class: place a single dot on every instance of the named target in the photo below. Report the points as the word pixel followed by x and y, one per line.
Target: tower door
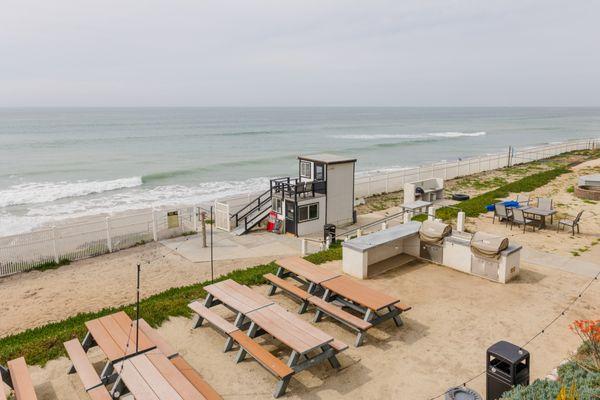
pixel 290 217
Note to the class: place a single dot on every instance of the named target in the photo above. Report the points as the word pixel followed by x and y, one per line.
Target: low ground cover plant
pixel 578 379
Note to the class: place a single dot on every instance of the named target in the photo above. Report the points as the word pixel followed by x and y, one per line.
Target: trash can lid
pixel 508 351
pixel 462 393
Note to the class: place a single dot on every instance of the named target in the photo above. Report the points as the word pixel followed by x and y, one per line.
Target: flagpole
pixel 212 222
pixel 137 311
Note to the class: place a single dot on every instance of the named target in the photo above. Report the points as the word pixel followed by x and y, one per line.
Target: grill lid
pixel 488 245
pixel 434 232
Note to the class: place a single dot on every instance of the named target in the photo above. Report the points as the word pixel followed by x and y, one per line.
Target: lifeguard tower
pixel 323 193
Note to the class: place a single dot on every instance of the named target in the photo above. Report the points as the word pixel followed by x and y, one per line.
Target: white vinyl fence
pixel 93 237
pixel 368 185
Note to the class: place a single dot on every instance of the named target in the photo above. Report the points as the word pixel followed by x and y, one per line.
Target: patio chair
pixel 308 189
pixel 545 203
pixel 573 223
pixel 523 199
pixel 519 218
pixel 502 212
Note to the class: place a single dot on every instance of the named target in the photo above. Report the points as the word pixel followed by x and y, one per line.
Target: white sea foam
pixel 44 192
pixel 423 136
pixel 135 197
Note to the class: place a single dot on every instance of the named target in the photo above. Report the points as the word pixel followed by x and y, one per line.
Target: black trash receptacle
pixel 329 232
pixel 507 367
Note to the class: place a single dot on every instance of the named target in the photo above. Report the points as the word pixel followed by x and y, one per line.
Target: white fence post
pixel 195 216
pixel 154 226
pixel 460 221
pixel 384 225
pixel 54 247
pixel 108 239
pixel 303 247
pixel 431 213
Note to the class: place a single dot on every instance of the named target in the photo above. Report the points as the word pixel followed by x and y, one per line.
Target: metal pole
pixel 212 222
pixel 137 311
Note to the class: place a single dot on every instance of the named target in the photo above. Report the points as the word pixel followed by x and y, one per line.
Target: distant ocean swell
pixel 422 137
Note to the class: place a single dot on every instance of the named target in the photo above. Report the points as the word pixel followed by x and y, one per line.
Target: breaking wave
pixel 44 192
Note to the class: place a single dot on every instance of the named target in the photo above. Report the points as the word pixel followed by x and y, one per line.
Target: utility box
pixel 507 367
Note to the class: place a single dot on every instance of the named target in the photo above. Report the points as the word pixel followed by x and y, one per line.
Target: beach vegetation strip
pixel 476 205
pixel 42 344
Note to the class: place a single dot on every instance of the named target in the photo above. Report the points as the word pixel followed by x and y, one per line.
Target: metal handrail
pixel 259 202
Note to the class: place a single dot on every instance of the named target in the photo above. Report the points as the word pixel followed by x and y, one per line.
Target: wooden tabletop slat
pixel 154 378
pixel 289 328
pixel 359 293
pixel 21 379
pixel 126 324
pixel 174 377
pixel 105 341
pixel 238 297
pixel 164 346
pixel 116 336
pixel 306 269
pixel 2 391
pixel 124 339
pixel 134 381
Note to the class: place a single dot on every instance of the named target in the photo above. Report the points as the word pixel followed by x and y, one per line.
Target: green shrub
pixel 587 385
pixel 570 189
pixel 332 254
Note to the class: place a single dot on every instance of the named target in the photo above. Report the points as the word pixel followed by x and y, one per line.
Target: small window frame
pixel 305 169
pixel 277 205
pixel 314 212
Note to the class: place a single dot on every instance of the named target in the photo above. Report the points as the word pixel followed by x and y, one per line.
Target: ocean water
pixel 63 163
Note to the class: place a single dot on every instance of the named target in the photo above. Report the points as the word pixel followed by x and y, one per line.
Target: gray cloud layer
pixel 286 53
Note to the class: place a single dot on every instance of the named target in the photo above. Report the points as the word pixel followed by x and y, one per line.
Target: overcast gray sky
pixel 299 53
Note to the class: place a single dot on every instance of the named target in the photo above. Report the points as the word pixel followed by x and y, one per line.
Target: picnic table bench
pixel 302 271
pixel 17 377
pixel 374 306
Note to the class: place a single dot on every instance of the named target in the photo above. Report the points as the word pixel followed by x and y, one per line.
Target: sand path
pixel 37 298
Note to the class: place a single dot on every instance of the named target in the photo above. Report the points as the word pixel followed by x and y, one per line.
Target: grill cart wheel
pixel 462 393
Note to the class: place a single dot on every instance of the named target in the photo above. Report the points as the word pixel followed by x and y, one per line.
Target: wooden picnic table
pixel 115 334
pixel 152 376
pixel 539 212
pixel 300 336
pixel 300 268
pixel 238 298
pixel 375 306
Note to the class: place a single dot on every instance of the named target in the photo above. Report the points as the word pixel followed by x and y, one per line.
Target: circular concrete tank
pixel 588 187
